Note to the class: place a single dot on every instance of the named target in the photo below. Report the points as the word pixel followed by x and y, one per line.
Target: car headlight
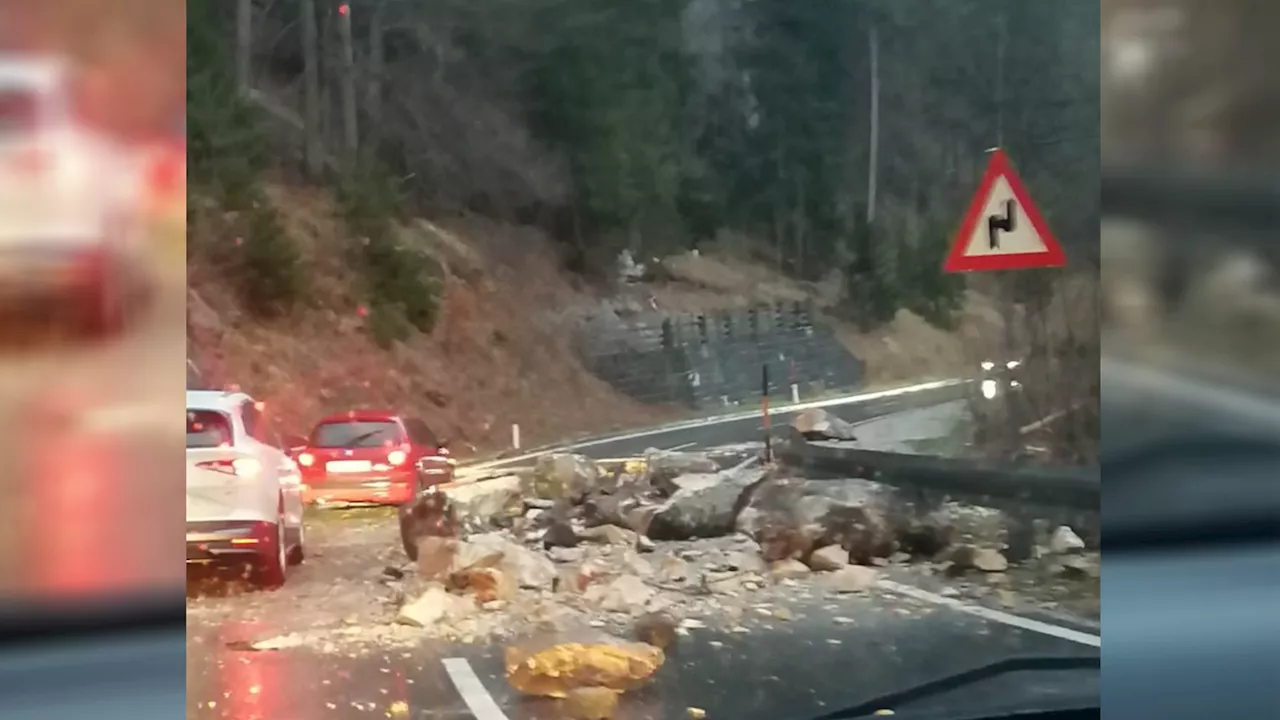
pixel 989 389
pixel 988 365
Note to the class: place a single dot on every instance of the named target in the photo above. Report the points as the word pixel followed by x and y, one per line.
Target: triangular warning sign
pixel 1003 230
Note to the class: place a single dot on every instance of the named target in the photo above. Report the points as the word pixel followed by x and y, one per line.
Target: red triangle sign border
pixel 957 261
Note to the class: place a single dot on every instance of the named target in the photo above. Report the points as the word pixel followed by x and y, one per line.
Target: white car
pixel 244 493
pixel 70 199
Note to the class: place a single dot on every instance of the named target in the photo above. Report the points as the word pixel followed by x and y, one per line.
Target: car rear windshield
pixel 17 112
pixel 357 434
pixel 207 429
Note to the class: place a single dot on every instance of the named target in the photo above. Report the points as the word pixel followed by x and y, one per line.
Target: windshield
pixel 698 294
pixel 208 429
pixel 356 434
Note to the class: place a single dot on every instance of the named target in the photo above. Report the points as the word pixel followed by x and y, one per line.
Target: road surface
pixel 793 650
pixel 88 432
pixel 748 427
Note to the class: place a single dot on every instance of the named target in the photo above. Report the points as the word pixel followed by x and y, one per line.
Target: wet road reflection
pixel 803 669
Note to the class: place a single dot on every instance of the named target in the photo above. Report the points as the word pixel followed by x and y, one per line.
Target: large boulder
pixel 564 476
pixel 792 517
pixel 818 424
pixel 703 504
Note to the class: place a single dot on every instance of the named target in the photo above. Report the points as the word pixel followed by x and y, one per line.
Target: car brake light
pixel 241 467
pixel 306 459
pixel 397 457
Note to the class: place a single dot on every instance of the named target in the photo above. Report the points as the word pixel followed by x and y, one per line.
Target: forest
pixel 826 136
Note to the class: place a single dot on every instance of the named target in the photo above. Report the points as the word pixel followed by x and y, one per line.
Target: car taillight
pixel 397 457
pixel 240 467
pixel 306 459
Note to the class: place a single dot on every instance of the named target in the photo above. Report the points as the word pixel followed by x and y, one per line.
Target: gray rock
pixel 531 570
pixel 564 476
pixel 703 505
pixel 970 557
pixel 790 517
pixel 850 579
pixel 831 557
pixel 434 605
pixel 818 424
pixel 662 467
pixel 1064 540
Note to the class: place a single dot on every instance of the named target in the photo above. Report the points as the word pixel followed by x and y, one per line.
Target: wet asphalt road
pixel 797 669
pixel 831 652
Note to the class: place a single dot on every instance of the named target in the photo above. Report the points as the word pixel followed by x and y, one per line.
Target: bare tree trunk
pixel 311 89
pixel 874 154
pixel 244 44
pixel 350 130
pixel 377 64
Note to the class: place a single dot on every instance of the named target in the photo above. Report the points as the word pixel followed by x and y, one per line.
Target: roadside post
pixel 764 409
pixel 1003 230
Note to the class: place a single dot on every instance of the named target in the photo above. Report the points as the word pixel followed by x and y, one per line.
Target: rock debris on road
pixel 702 554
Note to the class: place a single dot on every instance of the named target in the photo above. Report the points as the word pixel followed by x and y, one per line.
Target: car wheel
pixel 274 561
pixel 405 516
pixel 298 552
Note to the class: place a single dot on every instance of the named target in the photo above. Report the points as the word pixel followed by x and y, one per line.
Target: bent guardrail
pixel 1064 487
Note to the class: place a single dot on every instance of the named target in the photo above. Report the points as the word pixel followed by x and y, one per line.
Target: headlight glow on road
pixel 988 389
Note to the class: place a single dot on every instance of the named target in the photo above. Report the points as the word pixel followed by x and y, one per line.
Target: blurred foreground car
pixel 70 227
pixel 244 500
pixel 371 457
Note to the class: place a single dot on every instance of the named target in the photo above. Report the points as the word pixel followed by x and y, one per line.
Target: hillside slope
pixel 501 351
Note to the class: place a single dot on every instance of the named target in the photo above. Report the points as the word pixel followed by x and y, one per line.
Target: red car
pixel 365 456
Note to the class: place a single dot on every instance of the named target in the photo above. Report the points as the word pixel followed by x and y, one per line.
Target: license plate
pixel 349 466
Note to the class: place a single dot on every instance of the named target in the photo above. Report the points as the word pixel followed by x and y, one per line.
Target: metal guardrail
pixel 1075 488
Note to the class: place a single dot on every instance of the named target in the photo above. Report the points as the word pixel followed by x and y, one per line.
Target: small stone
pixel 788 569
pixel 672 569
pixel 832 557
pixel 1065 540
pixel 434 605
pixel 696 713
pixel 969 557
pixel 656 629
pixel 851 579
pixel 609 535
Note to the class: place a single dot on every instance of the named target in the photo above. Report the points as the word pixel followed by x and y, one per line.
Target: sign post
pixel 764 409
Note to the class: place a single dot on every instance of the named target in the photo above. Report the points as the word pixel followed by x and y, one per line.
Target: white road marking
pixel 722 419
pixel 478 700
pixel 1017 621
pixel 681 447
